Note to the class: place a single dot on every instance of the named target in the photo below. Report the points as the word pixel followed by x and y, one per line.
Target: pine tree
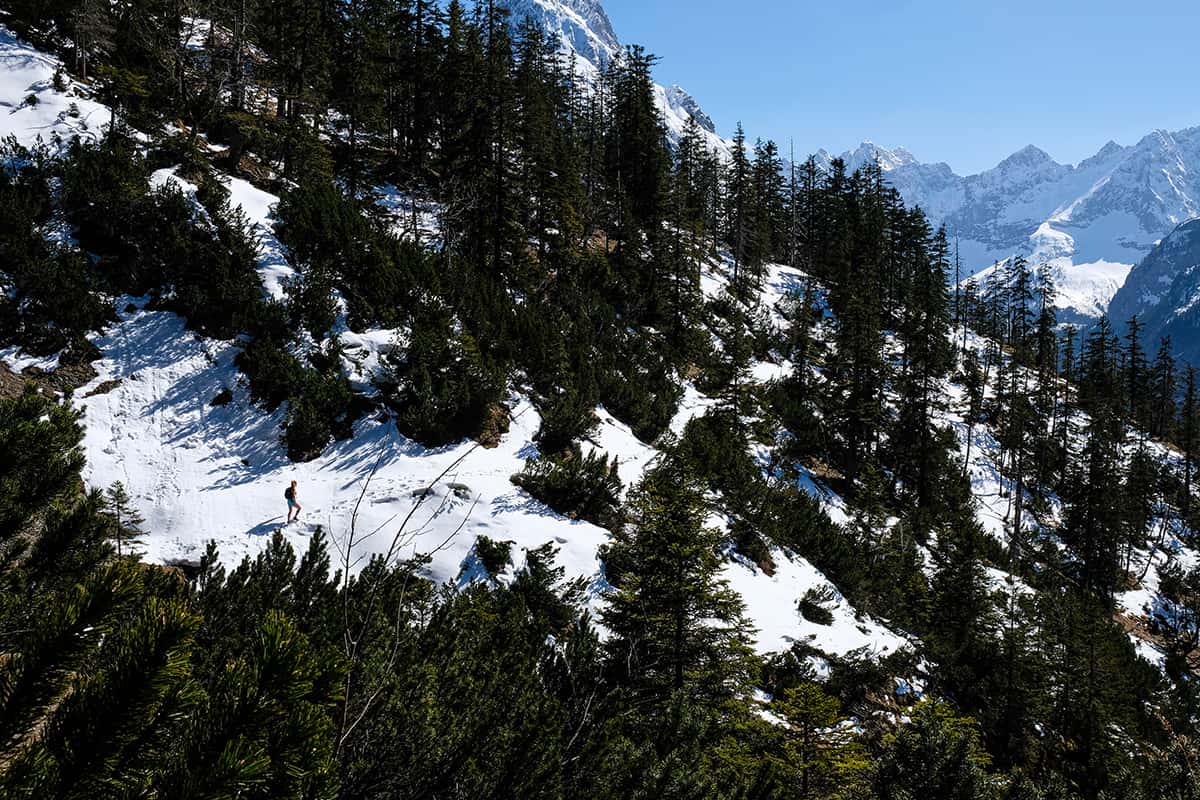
pixel 858 371
pixel 1137 377
pixel 1189 435
pixel 1163 391
pixel 769 210
pixel 1094 521
pixel 963 622
pixel 822 758
pixel 936 756
pixel 356 86
pixel 1095 685
pixel 1018 299
pixel 127 521
pixel 297 36
pixel 925 332
pixel 1017 697
pixel 738 228
pixel 681 284
pixel 638 160
pixel 1094 518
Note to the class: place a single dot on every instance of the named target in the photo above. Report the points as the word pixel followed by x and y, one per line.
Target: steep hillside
pixel 598 496
pixel 203 469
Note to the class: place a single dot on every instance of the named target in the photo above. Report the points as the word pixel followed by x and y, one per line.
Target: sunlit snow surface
pixel 26 72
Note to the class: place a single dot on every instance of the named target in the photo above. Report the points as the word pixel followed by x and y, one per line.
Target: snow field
pixel 31 109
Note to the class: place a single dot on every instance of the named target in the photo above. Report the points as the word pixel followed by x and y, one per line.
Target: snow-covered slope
pixel 1092 221
pixel 201 472
pixel 582 27
pixel 31 109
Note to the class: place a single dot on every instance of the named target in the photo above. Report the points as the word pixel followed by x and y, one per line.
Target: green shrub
pixel 812 605
pixel 273 372
pixel 58 302
pixel 750 543
pixel 40 456
pixel 645 403
pixel 494 555
pixel 156 242
pixel 333 244
pixel 213 194
pixel 311 303
pixel 183 152
pixel 789 517
pixel 637 383
pixel 716 446
pixel 575 485
pixel 320 412
pixel 52 294
pixel 218 288
pixel 937 755
pixel 104 195
pixel 565 418
pixel 442 387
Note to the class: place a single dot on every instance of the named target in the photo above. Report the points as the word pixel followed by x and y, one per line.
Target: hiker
pixel 290 495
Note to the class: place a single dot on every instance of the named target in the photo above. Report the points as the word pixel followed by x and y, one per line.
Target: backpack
pixel 288 494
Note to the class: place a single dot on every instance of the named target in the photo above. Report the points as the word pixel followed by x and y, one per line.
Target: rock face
pixel 686 106
pixel 1092 221
pixel 1164 291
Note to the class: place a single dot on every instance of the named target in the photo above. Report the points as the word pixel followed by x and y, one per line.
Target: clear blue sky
pixel 965 82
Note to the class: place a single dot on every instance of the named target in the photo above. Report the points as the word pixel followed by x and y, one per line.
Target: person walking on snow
pixel 293 505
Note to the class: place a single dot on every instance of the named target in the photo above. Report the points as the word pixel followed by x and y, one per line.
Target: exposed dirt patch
pixel 68 376
pixel 71 376
pixel 104 388
pixel 1140 627
pixel 495 425
pixel 11 384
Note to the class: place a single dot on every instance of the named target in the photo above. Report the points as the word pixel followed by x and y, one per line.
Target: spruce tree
pixel 1163 391
pixel 1189 431
pixel 678 630
pixel 739 209
pixel 822 757
pixel 127 521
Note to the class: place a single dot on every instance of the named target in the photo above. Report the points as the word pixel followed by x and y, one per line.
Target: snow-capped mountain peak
pixel 583 28
pixel 579 26
pixel 1029 156
pixel 888 159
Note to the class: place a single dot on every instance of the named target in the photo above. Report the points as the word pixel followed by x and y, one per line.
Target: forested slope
pixel 639 470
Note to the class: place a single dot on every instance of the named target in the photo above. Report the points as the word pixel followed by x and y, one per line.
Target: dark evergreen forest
pixel 565 264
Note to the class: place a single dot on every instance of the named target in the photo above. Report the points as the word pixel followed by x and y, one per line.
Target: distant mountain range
pixel 1091 221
